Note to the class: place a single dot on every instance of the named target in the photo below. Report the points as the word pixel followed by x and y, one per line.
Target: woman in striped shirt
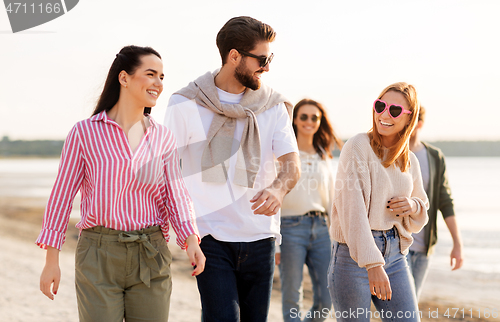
pixel 126 167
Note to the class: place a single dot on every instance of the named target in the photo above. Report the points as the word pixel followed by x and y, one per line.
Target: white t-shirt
pixel 223 210
pixel 419 238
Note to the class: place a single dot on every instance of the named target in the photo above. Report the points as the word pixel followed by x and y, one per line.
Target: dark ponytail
pixel 128 59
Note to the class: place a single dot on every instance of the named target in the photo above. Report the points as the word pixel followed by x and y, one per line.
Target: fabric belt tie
pixel 147 251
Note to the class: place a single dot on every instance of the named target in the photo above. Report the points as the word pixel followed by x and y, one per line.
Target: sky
pixel 341 53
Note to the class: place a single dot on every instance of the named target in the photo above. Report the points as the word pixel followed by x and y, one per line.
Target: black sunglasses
pixel 304 117
pixel 263 60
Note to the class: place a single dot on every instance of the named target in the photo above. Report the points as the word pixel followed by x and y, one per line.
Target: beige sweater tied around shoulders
pixel 220 137
pixel 362 189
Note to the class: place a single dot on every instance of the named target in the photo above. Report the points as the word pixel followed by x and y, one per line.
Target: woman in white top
pixel 303 224
pixel 379 202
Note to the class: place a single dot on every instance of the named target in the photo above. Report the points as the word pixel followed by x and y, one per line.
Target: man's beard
pixel 245 77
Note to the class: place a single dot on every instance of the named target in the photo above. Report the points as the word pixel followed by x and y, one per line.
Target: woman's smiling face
pixel 387 126
pixel 146 84
pixel 308 120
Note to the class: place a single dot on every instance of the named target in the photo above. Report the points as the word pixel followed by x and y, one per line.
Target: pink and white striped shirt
pixel 120 189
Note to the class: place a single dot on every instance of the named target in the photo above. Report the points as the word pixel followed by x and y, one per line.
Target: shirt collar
pixel 152 121
pixel 103 116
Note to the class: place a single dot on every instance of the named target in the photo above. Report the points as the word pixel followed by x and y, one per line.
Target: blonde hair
pixel 399 152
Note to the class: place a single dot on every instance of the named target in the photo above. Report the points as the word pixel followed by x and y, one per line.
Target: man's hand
pixel 268 201
pixel 456 256
pixel 456 259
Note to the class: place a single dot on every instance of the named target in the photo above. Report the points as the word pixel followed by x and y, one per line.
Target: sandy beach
pixel 21 263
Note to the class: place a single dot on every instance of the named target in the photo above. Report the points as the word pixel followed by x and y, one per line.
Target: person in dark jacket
pixel 433 167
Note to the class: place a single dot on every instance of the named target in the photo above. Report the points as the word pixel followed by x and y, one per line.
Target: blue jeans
pixel 349 287
pixel 305 241
pixel 419 264
pixel 237 280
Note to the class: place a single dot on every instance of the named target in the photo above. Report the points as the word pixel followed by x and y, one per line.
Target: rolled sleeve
pixel 178 202
pixel 51 238
pixel 284 140
pixel 445 200
pixel 68 182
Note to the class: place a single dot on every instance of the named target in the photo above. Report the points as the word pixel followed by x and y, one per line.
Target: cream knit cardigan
pixel 362 189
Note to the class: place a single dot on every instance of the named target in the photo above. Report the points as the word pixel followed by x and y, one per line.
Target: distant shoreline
pixel 30 156
pixel 52 148
pixel 464 148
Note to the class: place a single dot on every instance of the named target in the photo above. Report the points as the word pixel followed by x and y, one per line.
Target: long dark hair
pixel 128 59
pixel 325 139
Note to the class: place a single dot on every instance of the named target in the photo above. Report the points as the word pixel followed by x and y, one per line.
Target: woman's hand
pixel 195 255
pixel 402 206
pixel 379 283
pixel 277 258
pixel 51 274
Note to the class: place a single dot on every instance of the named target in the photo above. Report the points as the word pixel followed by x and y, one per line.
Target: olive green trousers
pixel 123 275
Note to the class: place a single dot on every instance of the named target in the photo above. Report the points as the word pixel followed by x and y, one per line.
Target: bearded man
pixel 230 128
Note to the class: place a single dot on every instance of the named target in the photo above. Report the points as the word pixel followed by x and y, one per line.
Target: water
pixel 475 184
pixel 32 178
pixel 27 177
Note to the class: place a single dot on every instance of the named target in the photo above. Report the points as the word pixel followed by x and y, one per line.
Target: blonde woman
pixel 379 202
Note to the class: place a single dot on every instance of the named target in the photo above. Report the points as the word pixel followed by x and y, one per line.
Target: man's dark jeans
pixel 237 280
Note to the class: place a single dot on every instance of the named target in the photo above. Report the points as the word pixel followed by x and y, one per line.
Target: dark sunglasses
pixel 304 117
pixel 263 60
pixel 395 111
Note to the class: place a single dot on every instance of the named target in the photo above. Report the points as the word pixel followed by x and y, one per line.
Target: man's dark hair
pixel 242 33
pixel 421 114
